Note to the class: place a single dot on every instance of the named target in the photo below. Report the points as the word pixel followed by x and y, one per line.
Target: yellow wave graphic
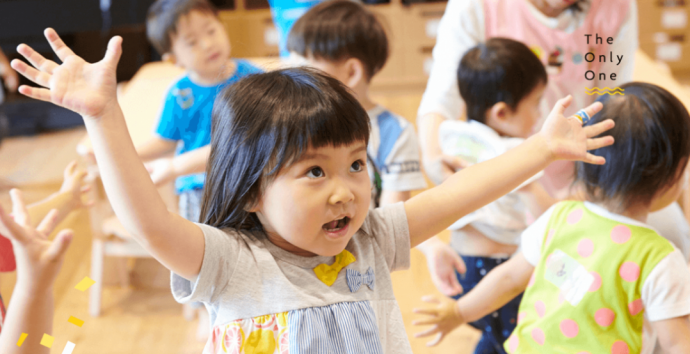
pixel 605 93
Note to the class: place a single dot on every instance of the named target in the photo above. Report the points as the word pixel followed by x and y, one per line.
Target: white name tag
pixel 568 275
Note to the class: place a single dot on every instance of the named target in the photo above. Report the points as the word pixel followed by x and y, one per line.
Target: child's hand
pixel 444 166
pixel 443 261
pixel 74 183
pixel 566 139
pixel 444 318
pixel 38 259
pixel 87 89
pixel 161 170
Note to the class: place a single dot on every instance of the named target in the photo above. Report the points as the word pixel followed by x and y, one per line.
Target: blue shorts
pixel 496 327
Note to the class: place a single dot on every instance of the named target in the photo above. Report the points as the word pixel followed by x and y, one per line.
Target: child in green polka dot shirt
pixel 596 278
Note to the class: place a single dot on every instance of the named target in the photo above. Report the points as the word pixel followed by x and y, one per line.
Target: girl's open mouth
pixel 336 225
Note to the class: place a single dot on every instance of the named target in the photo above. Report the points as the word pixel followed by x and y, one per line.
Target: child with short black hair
pixel 348 42
pixel 189 34
pixel 596 277
pixel 290 257
pixel 502 83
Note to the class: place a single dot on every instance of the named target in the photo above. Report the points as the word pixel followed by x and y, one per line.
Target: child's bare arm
pixel 392 197
pixel 480 184
pixel 67 199
pixel 674 335
pixel 155 148
pixel 500 286
pixel 538 198
pixel 166 169
pixel 38 263
pixel 90 90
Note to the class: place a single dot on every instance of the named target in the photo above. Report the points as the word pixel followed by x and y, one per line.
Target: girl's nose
pixel 341 194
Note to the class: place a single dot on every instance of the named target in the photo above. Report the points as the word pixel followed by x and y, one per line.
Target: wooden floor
pixel 140 319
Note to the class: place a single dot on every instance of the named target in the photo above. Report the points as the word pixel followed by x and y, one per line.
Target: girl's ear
pixel 355 72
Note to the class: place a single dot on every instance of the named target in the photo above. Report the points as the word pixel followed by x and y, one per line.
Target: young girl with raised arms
pixel 288 257
pixel 596 278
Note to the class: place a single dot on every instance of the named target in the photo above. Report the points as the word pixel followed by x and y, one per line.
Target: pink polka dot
pixel 620 347
pixel 540 307
pixel 604 317
pixel 521 316
pixel 569 328
pixel 635 307
pixel 513 343
pixel 620 234
pixel 574 216
pixel 531 280
pixel 538 336
pixel 549 237
pixel 585 248
pixel 629 271
pixel 596 284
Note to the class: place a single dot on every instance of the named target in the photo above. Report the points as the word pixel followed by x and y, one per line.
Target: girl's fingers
pixel 48 223
pixel 593 144
pixel 596 129
pixel 428 332
pixel 593 109
pixel 14 231
pixel 36 59
pixel 35 93
pixel 594 160
pixel 112 55
pixel 19 212
pixel 59 245
pixel 561 105
pixel 86 188
pixel 31 73
pixel 57 44
pixel 436 340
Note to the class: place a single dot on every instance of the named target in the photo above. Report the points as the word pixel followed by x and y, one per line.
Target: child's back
pixel 348 42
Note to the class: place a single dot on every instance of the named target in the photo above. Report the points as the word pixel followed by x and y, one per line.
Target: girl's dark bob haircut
pixel 652 141
pixel 264 123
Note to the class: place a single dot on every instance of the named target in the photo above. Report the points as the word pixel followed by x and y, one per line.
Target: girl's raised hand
pixel 566 139
pixel 87 89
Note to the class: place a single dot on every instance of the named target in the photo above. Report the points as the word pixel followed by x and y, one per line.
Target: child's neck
pixel 211 80
pixel 362 95
pixel 636 212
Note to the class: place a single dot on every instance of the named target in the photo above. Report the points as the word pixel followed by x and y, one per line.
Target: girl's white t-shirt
pixel 462 27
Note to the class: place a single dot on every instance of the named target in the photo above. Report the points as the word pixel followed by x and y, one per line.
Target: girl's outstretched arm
pixel 494 291
pixel 90 90
pixel 434 210
pixel 674 334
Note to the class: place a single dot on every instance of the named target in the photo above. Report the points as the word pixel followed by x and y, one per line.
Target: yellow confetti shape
pixel 47 340
pixel 75 321
pixel 21 339
pixel 85 284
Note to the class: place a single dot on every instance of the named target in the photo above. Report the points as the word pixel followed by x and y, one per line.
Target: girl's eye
pixel 212 31
pixel 315 172
pixel 357 166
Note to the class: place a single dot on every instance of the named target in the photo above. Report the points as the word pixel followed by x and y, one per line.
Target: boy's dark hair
pixel 500 70
pixel 162 18
pixel 264 123
pixel 337 30
pixel 652 140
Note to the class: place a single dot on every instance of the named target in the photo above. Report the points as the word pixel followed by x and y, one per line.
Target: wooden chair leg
pixel 95 292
